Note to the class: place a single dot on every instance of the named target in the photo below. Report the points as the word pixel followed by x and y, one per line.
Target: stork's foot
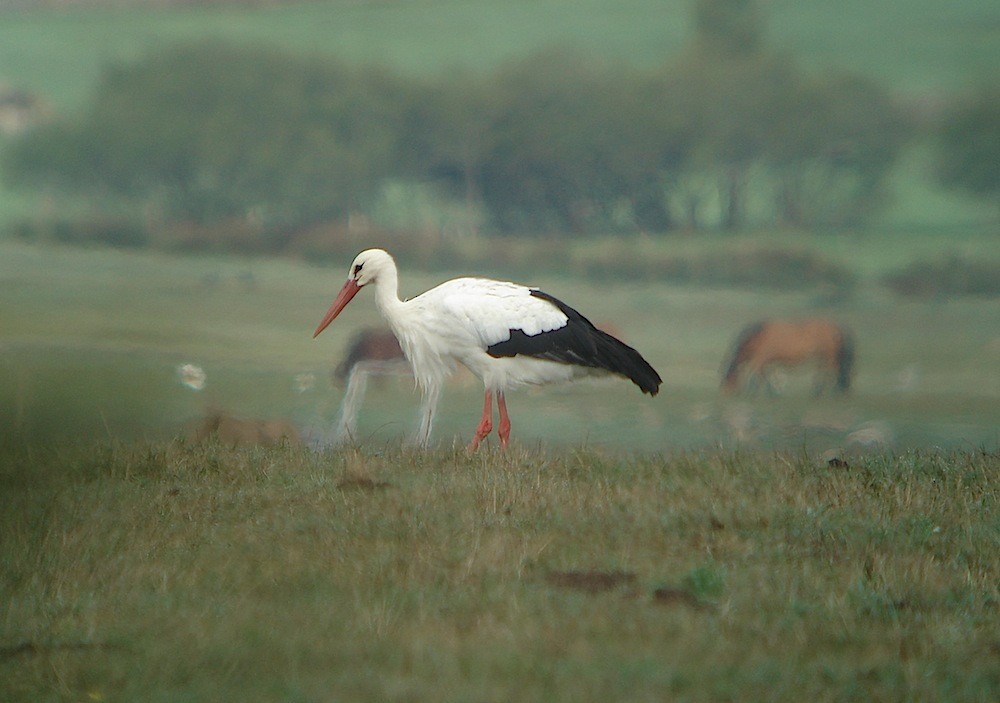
pixel 504 429
pixel 485 424
pixel 484 429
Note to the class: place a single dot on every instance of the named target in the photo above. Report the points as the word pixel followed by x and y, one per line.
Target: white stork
pixel 506 334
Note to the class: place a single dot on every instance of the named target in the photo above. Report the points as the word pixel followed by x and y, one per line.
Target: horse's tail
pixel 738 355
pixel 845 360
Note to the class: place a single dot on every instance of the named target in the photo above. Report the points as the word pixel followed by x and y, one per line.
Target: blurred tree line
pixel 728 134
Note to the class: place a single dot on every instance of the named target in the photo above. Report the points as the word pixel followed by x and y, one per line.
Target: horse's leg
pixel 820 384
pixel 769 388
pixel 760 379
pixel 826 375
pixel 354 396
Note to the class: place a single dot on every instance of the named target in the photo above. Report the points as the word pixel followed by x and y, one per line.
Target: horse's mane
pixel 736 356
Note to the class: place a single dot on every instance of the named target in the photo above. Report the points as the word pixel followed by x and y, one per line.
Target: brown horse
pixel 374 351
pixel 764 345
pixel 373 344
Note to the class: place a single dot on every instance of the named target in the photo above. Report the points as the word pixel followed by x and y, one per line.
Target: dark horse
pixel 372 352
pixel 373 344
pixel 770 343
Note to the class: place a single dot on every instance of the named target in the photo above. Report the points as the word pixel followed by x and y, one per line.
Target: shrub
pixel 955 276
pixel 968 156
pixel 116 232
pixel 210 132
pixel 765 267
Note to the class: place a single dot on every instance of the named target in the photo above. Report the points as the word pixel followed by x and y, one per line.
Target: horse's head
pixel 731 382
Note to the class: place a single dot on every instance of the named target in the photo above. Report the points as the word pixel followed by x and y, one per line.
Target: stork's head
pixel 367 267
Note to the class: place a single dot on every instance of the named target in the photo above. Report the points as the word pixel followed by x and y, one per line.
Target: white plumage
pixel 506 334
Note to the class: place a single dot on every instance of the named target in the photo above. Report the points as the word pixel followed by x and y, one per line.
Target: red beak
pixel 349 290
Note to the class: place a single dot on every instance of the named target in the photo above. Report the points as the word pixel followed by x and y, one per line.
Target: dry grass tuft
pixel 362 483
pixel 678 596
pixel 591 581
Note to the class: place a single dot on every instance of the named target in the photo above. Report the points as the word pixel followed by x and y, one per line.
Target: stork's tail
pixel 580 343
pixel 622 359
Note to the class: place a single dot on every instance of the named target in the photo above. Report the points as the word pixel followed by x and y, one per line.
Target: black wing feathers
pixel 580 343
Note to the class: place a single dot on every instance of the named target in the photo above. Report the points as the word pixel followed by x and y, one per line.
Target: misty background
pixel 181 178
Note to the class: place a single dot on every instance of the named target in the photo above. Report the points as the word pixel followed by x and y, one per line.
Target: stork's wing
pixel 580 342
pixel 492 311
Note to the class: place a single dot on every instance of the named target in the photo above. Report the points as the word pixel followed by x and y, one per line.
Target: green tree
pixel 733 28
pixel 968 154
pixel 208 132
pixel 807 150
pixel 446 135
pixel 730 107
pixel 833 142
pixel 571 143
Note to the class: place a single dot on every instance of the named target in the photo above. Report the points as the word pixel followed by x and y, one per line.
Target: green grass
pixel 172 572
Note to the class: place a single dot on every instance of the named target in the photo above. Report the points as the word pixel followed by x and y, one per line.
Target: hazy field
pixel 93 339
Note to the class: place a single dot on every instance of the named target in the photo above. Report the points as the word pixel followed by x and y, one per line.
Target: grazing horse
pixel 373 344
pixel 374 351
pixel 771 343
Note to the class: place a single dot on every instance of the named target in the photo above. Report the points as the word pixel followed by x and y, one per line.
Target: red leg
pixel 486 424
pixel 504 429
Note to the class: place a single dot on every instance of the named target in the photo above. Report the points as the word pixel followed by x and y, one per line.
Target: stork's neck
pixel 387 295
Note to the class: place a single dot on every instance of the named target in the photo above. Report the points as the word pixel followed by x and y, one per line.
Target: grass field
pixel 167 572
pixel 686 547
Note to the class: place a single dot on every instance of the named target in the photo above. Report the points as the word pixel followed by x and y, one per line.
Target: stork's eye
pixel 357 268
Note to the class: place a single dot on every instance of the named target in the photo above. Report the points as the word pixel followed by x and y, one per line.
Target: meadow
pixel 690 547
pixel 687 547
pixel 170 571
